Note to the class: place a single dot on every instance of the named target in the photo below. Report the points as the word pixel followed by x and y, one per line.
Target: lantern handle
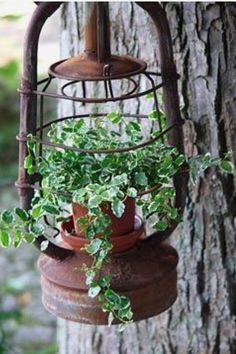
pixel 170 102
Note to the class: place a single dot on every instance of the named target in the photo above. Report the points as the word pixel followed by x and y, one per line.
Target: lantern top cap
pixel 85 67
pixel 96 62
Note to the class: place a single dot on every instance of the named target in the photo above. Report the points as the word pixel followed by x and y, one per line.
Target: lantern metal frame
pixel 29 92
pixel 153 290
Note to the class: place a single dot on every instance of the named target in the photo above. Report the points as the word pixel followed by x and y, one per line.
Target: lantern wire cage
pixel 39 132
pixel 96 66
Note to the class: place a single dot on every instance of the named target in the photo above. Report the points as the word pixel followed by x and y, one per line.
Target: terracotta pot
pixel 120 243
pixel 118 226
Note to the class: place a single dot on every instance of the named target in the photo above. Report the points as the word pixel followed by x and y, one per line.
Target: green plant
pixel 94 179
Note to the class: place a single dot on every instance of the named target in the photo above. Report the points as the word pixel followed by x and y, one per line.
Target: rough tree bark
pixel 202 319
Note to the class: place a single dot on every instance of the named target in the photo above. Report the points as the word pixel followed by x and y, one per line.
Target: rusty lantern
pixel 146 273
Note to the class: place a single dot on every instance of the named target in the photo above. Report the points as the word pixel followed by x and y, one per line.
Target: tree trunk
pixel 201 320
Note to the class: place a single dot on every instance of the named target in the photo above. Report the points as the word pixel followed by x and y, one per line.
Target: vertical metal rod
pixel 41 114
pixel 28 113
pixel 97 31
pixel 90 30
pixel 156 103
pixel 28 102
pixel 103 31
pixel 106 89
pixel 110 88
pixel 83 91
pixel 105 73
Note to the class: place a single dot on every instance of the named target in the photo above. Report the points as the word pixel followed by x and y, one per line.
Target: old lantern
pixel 146 272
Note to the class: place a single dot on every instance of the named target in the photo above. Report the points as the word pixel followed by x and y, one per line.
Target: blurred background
pixel 25 327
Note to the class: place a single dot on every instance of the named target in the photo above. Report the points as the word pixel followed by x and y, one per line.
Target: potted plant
pixel 103 188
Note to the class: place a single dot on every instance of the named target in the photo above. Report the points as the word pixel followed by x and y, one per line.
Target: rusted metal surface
pixel 97 31
pixel 90 32
pixel 80 67
pixel 103 31
pixel 96 62
pixel 146 274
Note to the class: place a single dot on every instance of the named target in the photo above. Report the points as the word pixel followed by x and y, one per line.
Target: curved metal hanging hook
pixel 28 113
pixel 168 70
pixel 170 99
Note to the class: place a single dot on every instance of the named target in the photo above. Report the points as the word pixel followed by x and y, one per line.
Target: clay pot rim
pixel 138 228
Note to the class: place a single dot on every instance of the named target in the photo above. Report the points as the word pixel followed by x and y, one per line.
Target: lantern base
pixel 146 274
